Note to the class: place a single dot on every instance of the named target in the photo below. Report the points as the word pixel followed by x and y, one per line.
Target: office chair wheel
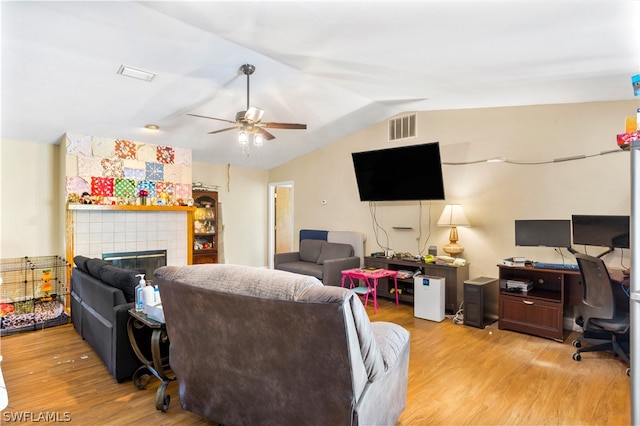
pixel 577 357
pixel 576 344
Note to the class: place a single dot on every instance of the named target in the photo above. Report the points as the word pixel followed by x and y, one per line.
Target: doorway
pixel 280 219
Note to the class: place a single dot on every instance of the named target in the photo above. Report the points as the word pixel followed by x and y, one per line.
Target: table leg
pixel 395 285
pixel 366 296
pixel 375 296
pixel 155 366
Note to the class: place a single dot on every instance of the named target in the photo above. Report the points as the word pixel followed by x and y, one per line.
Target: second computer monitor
pixel 543 233
pixel 601 230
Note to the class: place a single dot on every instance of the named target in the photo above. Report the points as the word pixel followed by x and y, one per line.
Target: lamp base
pixel 453 249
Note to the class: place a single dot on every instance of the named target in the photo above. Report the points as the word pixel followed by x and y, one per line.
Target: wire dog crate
pixel 33 293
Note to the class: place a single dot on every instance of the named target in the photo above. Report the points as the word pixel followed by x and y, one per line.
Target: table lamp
pixel 453 216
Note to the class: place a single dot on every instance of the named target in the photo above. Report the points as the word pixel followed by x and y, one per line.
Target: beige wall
pixel 243 199
pixel 30 200
pixel 492 194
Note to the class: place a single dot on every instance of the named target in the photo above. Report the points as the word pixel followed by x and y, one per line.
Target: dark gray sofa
pixel 254 346
pixel 101 296
pixel 320 259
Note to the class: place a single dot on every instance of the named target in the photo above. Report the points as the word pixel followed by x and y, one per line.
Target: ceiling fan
pixel 249 121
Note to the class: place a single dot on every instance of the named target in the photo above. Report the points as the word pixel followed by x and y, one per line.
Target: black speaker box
pixel 480 301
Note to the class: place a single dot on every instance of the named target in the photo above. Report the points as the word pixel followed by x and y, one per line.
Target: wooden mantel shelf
pixel 129 208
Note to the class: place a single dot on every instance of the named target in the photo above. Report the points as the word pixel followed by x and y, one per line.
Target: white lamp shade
pixel 453 215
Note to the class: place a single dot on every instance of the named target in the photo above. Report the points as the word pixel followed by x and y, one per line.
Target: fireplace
pixel 95 230
pixel 147 261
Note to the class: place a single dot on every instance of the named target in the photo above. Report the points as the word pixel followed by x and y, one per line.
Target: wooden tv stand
pixel 454 276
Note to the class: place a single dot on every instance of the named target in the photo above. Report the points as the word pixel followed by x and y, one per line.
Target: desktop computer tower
pixel 480 301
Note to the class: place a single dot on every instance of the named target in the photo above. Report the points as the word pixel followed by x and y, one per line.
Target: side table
pixel 372 287
pixel 158 366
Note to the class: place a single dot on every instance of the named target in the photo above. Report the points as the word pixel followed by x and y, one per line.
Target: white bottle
pixel 156 294
pixel 147 297
pixel 139 296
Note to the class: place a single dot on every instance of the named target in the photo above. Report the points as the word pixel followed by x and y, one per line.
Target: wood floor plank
pixel 458 375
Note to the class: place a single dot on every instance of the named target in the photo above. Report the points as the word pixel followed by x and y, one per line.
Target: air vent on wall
pixel 402 127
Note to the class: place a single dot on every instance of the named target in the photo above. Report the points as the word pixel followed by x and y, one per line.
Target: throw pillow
pixel 120 278
pixel 334 251
pixel 81 263
pixel 310 250
pixel 94 266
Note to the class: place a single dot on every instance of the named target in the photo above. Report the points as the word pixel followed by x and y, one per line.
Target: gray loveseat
pixel 320 259
pixel 256 346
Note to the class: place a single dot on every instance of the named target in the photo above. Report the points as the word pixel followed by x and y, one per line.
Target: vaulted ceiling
pixel 336 66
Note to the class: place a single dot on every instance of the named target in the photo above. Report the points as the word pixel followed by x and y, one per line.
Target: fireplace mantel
pixel 72 209
pixel 128 208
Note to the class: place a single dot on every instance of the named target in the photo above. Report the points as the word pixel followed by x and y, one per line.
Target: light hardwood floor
pixel 457 375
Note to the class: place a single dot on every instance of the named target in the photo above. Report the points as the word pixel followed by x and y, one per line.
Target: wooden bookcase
pixel 205 227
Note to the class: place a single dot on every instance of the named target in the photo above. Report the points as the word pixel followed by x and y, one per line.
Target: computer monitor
pixel 543 233
pixel 601 230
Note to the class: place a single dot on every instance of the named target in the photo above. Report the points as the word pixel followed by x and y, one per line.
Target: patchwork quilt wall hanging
pixel 113 170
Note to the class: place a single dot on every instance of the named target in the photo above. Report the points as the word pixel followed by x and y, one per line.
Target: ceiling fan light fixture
pixel 243 138
pixel 249 122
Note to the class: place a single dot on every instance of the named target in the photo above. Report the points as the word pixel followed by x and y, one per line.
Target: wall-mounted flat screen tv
pixel 601 231
pixel 400 174
pixel 543 233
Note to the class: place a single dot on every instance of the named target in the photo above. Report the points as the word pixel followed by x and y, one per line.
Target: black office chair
pixel 603 325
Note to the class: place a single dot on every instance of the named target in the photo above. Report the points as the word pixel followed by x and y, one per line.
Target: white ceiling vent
pixel 135 73
pixel 402 127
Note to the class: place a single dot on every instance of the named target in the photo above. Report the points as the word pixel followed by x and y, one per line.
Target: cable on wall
pixel 422 249
pixel 533 163
pixel 377 228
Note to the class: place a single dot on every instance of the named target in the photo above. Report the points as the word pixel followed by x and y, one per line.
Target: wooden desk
pixel 539 311
pixel 454 276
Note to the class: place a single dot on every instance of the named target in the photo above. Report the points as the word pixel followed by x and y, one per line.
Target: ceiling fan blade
pixel 284 126
pixel 223 130
pixel 212 118
pixel 268 136
pixel 253 114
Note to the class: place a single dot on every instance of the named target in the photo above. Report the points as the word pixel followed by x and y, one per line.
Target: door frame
pixel 272 219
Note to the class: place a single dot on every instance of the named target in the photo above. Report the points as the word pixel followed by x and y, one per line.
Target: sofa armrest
pixel 384 398
pixel 285 258
pixel 332 269
pixel 125 360
pixel 392 340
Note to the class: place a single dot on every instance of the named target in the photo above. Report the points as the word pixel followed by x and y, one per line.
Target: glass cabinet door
pixel 205 247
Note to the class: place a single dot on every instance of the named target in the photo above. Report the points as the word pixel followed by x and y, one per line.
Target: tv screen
pixel 602 231
pixel 400 174
pixel 543 233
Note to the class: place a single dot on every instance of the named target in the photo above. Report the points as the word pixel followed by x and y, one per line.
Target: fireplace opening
pixel 144 261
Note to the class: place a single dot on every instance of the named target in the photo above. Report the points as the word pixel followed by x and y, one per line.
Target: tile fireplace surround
pixel 93 230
